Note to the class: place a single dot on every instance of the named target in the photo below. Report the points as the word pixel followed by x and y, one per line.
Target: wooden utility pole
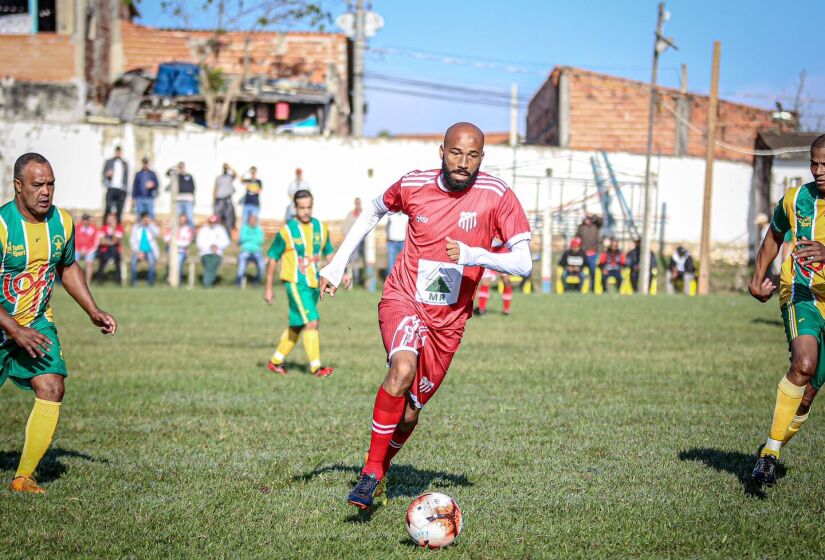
pixel 660 44
pixel 174 257
pixel 704 251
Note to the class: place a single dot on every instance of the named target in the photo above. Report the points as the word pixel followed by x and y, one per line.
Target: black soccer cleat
pixel 479 312
pixel 765 470
pixel 363 494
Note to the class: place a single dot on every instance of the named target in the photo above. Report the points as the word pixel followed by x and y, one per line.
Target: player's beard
pixel 452 184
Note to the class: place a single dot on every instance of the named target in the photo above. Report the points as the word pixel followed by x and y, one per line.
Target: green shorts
pixel 20 367
pixel 803 317
pixel 302 304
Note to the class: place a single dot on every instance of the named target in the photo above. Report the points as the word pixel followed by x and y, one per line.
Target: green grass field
pixel 581 426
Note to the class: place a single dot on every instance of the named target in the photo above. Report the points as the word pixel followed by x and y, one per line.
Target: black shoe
pixel 362 495
pixel 478 311
pixel 765 470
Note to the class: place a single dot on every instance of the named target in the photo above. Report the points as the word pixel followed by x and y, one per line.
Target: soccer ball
pixel 434 520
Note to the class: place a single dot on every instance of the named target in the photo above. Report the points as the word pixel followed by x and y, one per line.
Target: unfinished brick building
pixel 584 110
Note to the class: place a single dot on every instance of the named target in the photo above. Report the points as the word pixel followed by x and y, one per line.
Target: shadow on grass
pixel 50 467
pixel 734 462
pixel 402 481
pixel 772 322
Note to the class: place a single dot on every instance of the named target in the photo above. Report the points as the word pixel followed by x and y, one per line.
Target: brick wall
pixel 611 114
pixel 301 55
pixel 45 57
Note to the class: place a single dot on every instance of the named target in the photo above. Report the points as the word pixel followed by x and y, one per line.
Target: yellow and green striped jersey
pixel 801 213
pixel 301 246
pixel 31 254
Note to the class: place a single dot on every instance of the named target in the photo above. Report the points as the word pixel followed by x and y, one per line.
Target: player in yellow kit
pixel 802 298
pixel 37 243
pixel 300 244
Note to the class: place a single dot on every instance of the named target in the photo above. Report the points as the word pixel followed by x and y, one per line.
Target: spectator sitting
pixel 611 263
pixel 86 244
pixel 143 241
pixel 185 237
pixel 682 269
pixel 212 239
pixel 588 232
pixel 144 190
pixel 252 242
pixel 634 259
pixel 573 262
pixel 108 245
pixel 252 197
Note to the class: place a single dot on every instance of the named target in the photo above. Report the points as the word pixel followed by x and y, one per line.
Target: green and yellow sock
pixel 312 345
pixel 788 398
pixel 289 339
pixel 39 431
pixel 796 423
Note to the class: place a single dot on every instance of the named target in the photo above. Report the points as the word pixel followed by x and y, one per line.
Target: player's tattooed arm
pixel 760 287
pixel 74 280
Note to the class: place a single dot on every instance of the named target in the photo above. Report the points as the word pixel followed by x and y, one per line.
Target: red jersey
pixel 441 290
pixel 85 238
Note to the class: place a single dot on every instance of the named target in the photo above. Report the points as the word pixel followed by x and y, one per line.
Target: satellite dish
pixel 373 22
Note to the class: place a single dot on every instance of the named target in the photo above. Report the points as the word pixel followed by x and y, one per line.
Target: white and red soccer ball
pixel 433 520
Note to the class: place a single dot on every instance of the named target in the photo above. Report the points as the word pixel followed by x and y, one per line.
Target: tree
pixel 222 17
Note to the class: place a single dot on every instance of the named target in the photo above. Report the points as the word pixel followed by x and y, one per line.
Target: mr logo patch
pixel 438 283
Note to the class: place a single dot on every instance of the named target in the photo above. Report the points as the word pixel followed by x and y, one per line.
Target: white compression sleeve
pixel 518 261
pixel 371 215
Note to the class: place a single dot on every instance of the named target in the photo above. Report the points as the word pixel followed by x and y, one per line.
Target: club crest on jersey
pixel 467 220
pixel 804 221
pixel 57 243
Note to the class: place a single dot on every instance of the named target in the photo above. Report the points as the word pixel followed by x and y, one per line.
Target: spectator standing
pixel 252 195
pixel 588 232
pixel 144 190
pixel 222 196
pixel 682 269
pixel 212 240
pixel 611 263
pixel 572 263
pixel 185 237
pixel 358 259
pixel 86 245
pixel 108 245
pixel 186 191
pixel 396 235
pixel 143 241
pixel 115 179
pixel 297 184
pixel 633 260
pixel 252 243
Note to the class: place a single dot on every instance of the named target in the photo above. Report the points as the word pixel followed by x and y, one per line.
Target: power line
pixel 399 80
pixel 444 96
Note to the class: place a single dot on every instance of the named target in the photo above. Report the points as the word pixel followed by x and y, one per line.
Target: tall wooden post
pixel 704 255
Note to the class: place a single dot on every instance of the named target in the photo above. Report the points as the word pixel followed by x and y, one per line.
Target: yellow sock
pixel 289 339
pixel 39 431
pixel 788 397
pixel 796 423
pixel 312 345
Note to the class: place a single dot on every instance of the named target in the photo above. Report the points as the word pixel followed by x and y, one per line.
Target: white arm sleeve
pixel 371 215
pixel 518 261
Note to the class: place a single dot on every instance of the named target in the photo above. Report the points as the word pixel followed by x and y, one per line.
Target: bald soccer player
pixel 454 213
pixel 802 304
pixel 37 243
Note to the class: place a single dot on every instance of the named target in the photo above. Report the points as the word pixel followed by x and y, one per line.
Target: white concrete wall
pixel 787 173
pixel 336 168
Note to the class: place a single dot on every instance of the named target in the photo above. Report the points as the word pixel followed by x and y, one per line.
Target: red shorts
pixel 402 329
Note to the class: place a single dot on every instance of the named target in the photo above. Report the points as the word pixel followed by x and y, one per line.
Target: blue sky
pixel 472 44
